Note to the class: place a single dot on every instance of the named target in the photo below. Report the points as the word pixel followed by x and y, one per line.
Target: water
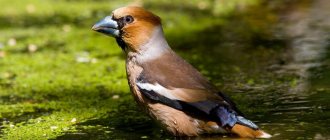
pixel 303 111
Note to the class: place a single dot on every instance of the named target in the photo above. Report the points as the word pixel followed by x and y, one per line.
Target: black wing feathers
pixel 211 110
pixel 151 95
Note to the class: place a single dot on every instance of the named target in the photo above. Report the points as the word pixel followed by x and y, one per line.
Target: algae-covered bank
pixel 60 80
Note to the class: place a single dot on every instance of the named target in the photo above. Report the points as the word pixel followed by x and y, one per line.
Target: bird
pixel 174 93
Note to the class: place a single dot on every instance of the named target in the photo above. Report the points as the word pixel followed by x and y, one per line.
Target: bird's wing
pixel 175 83
pixel 213 110
pixel 187 84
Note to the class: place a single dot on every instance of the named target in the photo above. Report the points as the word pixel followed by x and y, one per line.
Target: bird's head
pixel 131 26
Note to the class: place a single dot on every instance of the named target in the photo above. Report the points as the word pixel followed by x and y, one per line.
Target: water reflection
pixel 308 31
pixel 309 36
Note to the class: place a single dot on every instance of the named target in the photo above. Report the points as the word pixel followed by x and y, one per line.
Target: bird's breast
pixel 133 71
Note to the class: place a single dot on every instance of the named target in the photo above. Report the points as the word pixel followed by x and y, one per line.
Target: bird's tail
pixel 244 131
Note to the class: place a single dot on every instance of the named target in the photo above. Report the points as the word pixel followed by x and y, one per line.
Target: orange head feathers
pixel 131 26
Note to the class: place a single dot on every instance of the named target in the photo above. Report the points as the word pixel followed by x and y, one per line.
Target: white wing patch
pixel 157 88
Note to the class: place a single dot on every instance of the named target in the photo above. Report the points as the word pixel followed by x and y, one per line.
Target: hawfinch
pixel 168 88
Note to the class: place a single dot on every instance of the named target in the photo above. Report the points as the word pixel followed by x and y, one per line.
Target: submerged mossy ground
pixel 60 80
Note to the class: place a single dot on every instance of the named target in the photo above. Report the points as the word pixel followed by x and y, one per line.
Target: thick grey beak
pixel 107 26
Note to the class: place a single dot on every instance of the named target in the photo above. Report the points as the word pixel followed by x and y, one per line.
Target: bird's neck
pixel 153 49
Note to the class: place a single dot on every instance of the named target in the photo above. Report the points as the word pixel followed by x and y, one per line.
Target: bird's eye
pixel 128 19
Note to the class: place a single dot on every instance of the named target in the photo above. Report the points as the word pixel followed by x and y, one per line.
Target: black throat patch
pixel 121 43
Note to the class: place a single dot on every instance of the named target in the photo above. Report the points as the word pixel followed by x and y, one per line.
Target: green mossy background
pixel 61 80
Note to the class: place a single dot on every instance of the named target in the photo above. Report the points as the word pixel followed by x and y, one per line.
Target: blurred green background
pixel 60 80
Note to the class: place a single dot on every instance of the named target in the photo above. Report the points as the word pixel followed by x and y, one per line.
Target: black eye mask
pixel 124 21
